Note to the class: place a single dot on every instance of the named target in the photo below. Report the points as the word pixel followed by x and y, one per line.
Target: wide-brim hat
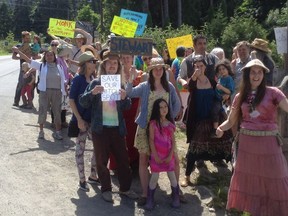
pixel 107 55
pixel 260 44
pixel 79 36
pixel 155 62
pixel 86 48
pixel 255 62
pixel 86 56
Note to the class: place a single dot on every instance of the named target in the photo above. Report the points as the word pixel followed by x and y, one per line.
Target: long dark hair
pixel 44 57
pixel 245 90
pixel 155 114
pixel 163 81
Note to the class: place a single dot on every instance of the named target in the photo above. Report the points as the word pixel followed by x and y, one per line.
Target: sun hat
pixel 86 56
pixel 260 44
pixel 255 62
pixel 155 62
pixel 107 55
pixel 79 36
pixel 90 48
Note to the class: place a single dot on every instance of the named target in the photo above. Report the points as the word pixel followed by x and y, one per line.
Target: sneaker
pixel 41 134
pixel 28 107
pixel 83 186
pixel 16 104
pixel 130 194
pixel 23 106
pixel 93 181
pixel 57 135
pixel 141 201
pixel 107 196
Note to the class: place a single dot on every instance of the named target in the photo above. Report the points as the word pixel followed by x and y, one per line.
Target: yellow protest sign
pixel 123 27
pixel 173 43
pixel 64 28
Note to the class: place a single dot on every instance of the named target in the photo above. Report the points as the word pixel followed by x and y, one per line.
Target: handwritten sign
pixel 112 85
pixel 123 27
pixel 137 17
pixel 60 27
pixel 131 46
pixel 281 39
pixel 173 43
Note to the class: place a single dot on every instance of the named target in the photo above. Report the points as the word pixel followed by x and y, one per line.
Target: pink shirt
pixel 266 112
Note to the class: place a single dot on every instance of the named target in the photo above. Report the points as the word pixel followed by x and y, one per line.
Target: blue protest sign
pixel 138 17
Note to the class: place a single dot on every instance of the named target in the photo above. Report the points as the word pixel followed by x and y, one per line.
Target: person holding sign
pixel 149 91
pixel 108 125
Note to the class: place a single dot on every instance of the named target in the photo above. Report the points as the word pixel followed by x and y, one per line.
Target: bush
pixel 7 44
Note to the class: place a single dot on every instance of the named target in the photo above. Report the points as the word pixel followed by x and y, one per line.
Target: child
pixel 28 81
pixel 224 88
pixel 162 145
pixel 36 46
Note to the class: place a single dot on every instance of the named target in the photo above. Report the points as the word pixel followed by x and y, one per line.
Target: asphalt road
pixel 39 177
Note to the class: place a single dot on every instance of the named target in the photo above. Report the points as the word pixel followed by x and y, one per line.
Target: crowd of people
pixel 229 101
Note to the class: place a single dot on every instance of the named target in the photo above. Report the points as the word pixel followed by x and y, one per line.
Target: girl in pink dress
pixel 259 184
pixel 162 144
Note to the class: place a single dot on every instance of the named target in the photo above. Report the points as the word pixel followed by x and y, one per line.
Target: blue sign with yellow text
pixel 140 18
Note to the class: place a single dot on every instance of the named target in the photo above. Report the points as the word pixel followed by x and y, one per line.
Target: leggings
pixel 155 176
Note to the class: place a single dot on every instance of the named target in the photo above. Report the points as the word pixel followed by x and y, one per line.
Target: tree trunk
pixel 166 19
pixel 179 9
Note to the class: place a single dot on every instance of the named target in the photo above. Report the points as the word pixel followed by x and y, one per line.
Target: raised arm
pixel 86 34
pixel 22 55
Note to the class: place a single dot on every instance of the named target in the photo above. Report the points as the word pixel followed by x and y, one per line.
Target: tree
pixel 88 15
pixel 5 20
pixel 21 17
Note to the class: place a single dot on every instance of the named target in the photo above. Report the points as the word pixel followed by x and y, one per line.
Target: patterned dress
pixel 163 145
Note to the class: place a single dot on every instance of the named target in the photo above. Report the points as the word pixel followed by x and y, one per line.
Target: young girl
pixel 162 145
pixel 36 46
pixel 224 88
pixel 28 79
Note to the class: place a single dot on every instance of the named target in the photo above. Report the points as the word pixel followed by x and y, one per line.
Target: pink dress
pixel 163 145
pixel 259 184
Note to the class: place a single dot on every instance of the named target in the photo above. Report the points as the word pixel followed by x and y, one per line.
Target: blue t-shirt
pixel 78 86
pixel 176 64
pixel 226 82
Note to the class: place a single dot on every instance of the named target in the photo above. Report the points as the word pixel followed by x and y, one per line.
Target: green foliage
pixel 5 18
pixel 241 28
pixel 277 17
pixel 7 43
pixel 87 14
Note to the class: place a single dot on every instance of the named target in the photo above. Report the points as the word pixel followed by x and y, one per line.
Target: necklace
pixel 251 101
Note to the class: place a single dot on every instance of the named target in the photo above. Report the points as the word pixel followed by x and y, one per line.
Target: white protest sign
pixel 112 85
pixel 281 39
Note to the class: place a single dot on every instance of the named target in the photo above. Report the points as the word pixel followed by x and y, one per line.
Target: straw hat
pixel 260 44
pixel 86 56
pixel 90 48
pixel 255 62
pixel 155 62
pixel 79 36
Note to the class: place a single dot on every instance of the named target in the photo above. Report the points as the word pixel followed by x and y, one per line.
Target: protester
pixel 259 184
pixel 26 49
pixel 199 121
pixel 175 67
pixel 129 115
pixel 219 52
pixel 82 117
pixel 51 86
pixel 162 145
pixel 28 82
pixel 108 129
pixel 36 47
pixel 156 87
pixel 260 50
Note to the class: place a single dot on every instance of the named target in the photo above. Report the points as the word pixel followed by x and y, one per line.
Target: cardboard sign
pixel 131 46
pixel 123 27
pixel 281 39
pixel 137 17
pixel 112 85
pixel 64 28
pixel 173 43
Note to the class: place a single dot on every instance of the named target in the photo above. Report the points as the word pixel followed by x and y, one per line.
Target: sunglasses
pixel 93 61
pixel 145 59
pixel 54 45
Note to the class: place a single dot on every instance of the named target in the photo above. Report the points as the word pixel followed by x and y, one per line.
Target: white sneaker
pixel 57 135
